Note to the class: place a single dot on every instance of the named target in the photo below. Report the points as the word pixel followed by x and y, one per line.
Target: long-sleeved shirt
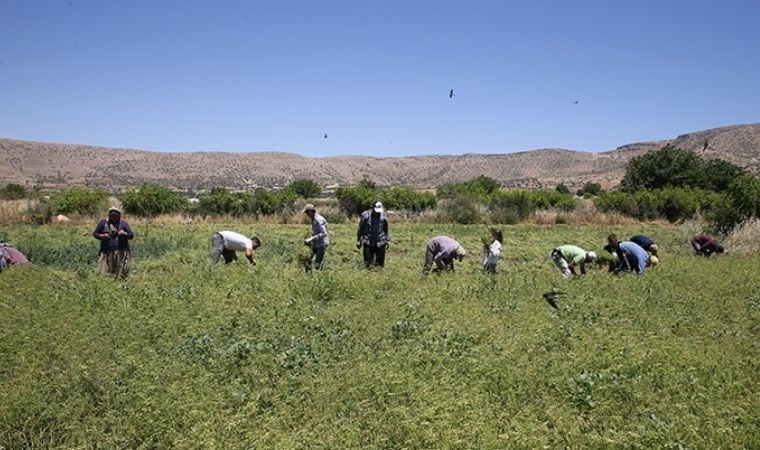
pixel 706 243
pixel 642 241
pixel 319 232
pixel 636 256
pixel 11 255
pixel 373 229
pixel 494 252
pixel 443 248
pixel 116 242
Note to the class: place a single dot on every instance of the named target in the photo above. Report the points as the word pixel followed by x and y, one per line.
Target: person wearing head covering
pixel 114 235
pixel 372 235
pixel 442 250
pixel 492 252
pixel 637 259
pixel 567 257
pixel 706 245
pixel 646 243
pixel 11 256
pixel 227 243
pixel 319 238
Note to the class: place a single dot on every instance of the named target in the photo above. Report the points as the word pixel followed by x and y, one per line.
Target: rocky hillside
pixel 53 166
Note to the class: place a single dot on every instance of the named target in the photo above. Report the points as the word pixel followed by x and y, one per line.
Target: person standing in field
pixel 442 250
pixel 706 245
pixel 227 243
pixel 492 252
pixel 114 235
pixel 372 235
pixel 319 238
pixel 11 256
pixel 567 257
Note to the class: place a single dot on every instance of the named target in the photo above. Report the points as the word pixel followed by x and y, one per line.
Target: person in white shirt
pixel 226 243
pixel 492 252
pixel 319 239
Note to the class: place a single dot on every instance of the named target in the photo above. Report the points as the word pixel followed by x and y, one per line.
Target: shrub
pixel 220 201
pixel 591 189
pixel 479 189
pixel 562 189
pixel 740 203
pixel 304 188
pixel 354 200
pixel 152 200
pixel 461 209
pixel 407 199
pixel 13 191
pixel 79 200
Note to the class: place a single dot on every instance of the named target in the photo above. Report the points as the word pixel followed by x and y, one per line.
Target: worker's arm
pixel 249 255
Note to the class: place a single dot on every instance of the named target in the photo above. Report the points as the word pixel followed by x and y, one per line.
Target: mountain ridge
pixel 53 166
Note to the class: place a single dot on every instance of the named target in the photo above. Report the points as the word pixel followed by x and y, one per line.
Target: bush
pixel 152 200
pixel 220 201
pixel 355 200
pixel 407 199
pixel 591 189
pixel 672 203
pixel 479 189
pixel 79 200
pixel 562 189
pixel 461 209
pixel 304 188
pixel 13 191
pixel 740 203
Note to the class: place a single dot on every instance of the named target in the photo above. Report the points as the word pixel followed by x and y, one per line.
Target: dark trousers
pixel 374 254
pixel 318 253
pixel 447 264
pixel 218 250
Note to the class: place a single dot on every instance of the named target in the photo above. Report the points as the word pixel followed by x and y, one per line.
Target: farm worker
pixel 10 256
pixel 566 257
pixel 227 243
pixel 492 252
pixel 646 243
pixel 618 262
pixel 706 245
pixel 637 259
pixel 442 250
pixel 373 236
pixel 114 235
pixel 319 239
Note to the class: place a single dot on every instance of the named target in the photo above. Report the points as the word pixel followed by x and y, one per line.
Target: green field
pixel 183 356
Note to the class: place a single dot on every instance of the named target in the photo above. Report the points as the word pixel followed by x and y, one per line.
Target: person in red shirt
pixel 706 245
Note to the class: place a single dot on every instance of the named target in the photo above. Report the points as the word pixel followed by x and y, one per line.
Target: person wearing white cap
pixel 567 257
pixel 373 236
pixel 114 235
pixel 442 250
pixel 319 239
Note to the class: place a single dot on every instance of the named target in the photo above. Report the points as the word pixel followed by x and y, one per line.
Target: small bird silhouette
pixel 451 93
pixel 551 298
pixel 325 136
pixel 576 102
pixel 704 146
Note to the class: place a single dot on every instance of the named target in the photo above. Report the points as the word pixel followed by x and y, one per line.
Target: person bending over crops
pixel 492 252
pixel 10 256
pixel 319 238
pixel 635 258
pixel 227 243
pixel 372 235
pixel 705 245
pixel 442 250
pixel 646 243
pixel 114 235
pixel 567 257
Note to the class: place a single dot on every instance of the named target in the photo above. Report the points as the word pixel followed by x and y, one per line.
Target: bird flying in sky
pixel 451 93
pixel 325 136
pixel 576 102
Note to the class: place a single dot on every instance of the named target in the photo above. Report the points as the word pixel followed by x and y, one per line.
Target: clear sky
pixel 375 75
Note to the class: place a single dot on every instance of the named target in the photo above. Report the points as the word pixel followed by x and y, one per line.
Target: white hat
pixel 114 209
pixel 591 255
pixel 308 207
pixel 378 207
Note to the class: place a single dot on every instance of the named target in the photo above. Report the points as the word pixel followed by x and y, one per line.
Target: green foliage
pixel 304 188
pixel 672 203
pixel 562 189
pixel 741 201
pixel 79 200
pixel 461 209
pixel 220 201
pixel 152 200
pixel 266 356
pixel 591 189
pixel 406 199
pixel 673 167
pixel 12 191
pixel 354 200
pixel 479 189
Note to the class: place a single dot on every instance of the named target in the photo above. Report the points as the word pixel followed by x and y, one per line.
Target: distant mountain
pixel 57 165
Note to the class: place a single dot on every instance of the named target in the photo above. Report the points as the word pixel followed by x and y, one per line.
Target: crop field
pixel 185 356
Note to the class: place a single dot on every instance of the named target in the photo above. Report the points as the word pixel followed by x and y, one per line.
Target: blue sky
pixel 375 75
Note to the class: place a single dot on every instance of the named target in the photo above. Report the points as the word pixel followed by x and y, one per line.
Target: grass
pixel 183 356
